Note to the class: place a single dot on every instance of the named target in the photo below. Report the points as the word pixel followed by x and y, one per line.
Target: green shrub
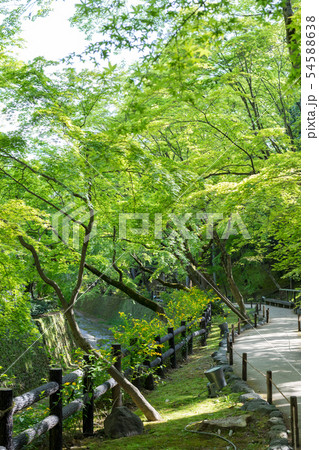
pixel 179 306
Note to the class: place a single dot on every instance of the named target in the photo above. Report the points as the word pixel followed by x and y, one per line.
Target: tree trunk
pixel 236 292
pixel 170 284
pixel 196 275
pixel 273 279
pixel 200 276
pixel 79 340
pixel 127 290
pixel 227 266
pixel 241 314
pixel 290 34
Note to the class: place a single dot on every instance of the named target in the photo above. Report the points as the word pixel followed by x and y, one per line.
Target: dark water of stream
pixel 93 329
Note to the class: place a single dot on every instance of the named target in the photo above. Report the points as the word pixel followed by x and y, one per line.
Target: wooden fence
pixel 53 389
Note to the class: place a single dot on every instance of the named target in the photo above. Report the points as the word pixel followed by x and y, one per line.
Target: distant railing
pixel 289 302
pixel 53 389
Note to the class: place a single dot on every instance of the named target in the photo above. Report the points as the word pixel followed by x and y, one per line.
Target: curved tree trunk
pixel 169 284
pixel 196 275
pixel 79 339
pixel 127 290
pixel 203 280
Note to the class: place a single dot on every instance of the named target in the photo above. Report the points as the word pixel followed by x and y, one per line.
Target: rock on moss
pixel 276 413
pixel 250 396
pixel 278 432
pixel 241 386
pixel 279 444
pixel 259 406
pixel 122 423
pixel 276 421
pixel 232 377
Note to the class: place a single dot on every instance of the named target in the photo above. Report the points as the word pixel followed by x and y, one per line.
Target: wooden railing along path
pixel 53 423
pixel 290 301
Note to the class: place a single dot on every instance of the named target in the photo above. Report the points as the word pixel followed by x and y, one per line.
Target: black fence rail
pixel 53 423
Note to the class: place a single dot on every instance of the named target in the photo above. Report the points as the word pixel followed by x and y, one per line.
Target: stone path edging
pixel 278 435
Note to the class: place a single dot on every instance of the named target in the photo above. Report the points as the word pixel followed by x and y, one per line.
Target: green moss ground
pixel 181 398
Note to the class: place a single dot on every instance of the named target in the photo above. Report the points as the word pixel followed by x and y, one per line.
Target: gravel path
pixel 275 346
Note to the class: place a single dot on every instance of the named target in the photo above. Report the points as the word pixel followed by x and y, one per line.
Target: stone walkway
pixel 275 346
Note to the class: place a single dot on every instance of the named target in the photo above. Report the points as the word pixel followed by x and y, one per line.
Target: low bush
pixel 179 306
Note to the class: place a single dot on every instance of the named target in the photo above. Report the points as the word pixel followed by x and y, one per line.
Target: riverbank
pixel 95 330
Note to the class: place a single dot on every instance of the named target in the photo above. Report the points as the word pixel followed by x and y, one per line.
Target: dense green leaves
pixel 208 122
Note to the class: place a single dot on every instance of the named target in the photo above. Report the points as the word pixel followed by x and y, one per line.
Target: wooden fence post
pixel 294 422
pixel 244 367
pixel 171 343
pixel 88 410
pixel 203 340
pixel 238 328
pixel 255 320
pixel 185 346
pixel 208 317
pixel 208 321
pixel 116 391
pixel 231 359
pixel 136 379
pixel 227 342
pixel 6 418
pixel 264 311
pixel 210 312
pixel 149 380
pixel 159 370
pixel 269 386
pixel 55 434
pixel 267 315
pixel 233 333
pixel 299 323
pixel 190 342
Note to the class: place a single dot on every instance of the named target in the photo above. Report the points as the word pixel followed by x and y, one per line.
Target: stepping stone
pixel 223 422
